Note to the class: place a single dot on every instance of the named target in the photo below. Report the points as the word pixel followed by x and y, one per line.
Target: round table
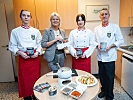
pixel 89 94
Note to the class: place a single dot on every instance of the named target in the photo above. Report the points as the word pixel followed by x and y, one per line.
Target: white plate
pixel 92 84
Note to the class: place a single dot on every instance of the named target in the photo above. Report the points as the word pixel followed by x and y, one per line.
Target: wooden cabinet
pixel 42 9
pixel 18 5
pixel 118 66
pixel 126 13
pixel 68 10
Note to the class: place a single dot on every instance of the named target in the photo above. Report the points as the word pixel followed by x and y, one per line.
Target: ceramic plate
pixel 88 80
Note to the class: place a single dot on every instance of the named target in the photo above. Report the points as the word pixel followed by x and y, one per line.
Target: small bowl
pixel 72 84
pixel 66 90
pixel 76 94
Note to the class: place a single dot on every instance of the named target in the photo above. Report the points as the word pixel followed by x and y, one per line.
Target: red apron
pixel 29 72
pixel 82 63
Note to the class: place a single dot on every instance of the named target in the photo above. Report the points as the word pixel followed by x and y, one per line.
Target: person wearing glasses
pixel 108 37
pixel 25 41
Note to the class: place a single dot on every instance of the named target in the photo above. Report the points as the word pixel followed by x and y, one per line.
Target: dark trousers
pixel 107 74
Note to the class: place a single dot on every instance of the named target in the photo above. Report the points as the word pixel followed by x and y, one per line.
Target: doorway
pixel 6 66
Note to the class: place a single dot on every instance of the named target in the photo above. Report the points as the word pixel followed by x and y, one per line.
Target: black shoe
pixel 28 98
pixel 101 95
pixel 107 98
pixel 34 98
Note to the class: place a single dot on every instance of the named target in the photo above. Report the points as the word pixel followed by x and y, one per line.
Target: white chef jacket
pixel 81 39
pixel 112 35
pixel 22 38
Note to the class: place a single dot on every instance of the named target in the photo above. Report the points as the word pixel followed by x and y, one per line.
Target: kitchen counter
pixel 126 49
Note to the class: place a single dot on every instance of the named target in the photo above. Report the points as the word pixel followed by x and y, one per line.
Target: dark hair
pixel 82 16
pixel 22 12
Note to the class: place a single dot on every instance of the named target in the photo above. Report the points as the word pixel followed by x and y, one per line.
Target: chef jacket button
pixel 84 41
pixel 77 41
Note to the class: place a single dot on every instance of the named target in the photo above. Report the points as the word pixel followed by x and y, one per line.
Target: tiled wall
pixel 125 31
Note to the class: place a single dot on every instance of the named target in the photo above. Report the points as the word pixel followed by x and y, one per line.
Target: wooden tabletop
pixel 89 94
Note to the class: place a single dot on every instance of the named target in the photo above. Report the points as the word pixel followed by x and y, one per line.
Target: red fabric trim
pixel 25 26
pixel 82 29
pixel 82 63
pixel 104 25
pixel 28 74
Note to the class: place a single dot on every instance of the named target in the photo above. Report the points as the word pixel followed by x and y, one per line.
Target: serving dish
pixel 87 80
pixel 76 94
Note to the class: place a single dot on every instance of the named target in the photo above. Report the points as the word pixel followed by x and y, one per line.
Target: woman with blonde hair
pixel 52 37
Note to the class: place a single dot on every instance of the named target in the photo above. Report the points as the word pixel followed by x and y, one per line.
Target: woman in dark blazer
pixel 51 38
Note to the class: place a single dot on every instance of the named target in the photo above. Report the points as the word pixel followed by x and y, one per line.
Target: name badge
pixel 30 51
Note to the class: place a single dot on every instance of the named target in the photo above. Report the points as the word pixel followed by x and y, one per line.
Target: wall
pixel 127 39
pixel 114 6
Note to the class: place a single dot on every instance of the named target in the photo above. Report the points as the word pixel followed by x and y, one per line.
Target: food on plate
pixel 76 94
pixel 87 79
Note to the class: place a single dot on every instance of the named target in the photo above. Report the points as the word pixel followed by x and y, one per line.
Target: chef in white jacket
pixel 25 42
pixel 108 37
pixel 82 45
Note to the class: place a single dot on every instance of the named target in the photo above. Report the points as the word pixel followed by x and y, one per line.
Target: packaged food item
pixel 52 90
pixel 79 52
pixel 30 51
pixel 103 46
pixel 42 87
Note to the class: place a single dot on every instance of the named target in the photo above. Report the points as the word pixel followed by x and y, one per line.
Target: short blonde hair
pixel 52 15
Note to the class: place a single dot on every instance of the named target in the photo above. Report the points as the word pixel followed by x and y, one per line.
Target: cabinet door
pixel 44 8
pixel 18 5
pixel 132 14
pixel 125 13
pixel 6 66
pixel 118 65
pixel 68 10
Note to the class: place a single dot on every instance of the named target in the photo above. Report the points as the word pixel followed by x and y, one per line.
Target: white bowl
pixel 64 72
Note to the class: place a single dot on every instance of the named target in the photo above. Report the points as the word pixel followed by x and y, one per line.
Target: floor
pixel 9 91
